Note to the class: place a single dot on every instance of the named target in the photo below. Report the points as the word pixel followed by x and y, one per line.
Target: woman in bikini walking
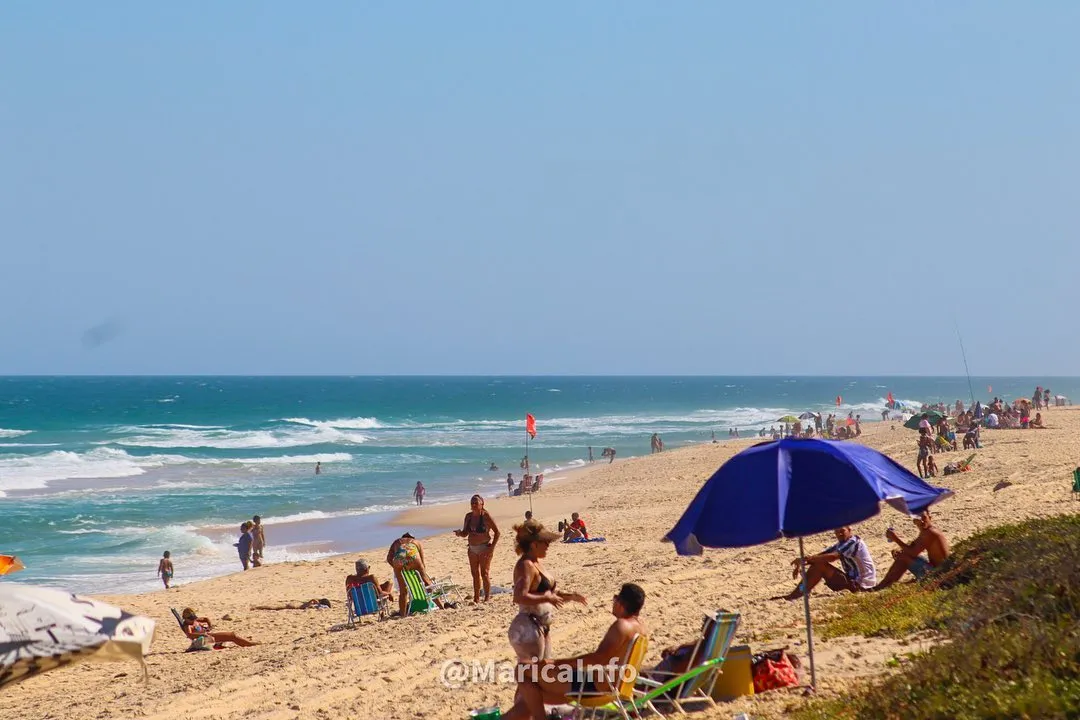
pixel 479 528
pixel 535 594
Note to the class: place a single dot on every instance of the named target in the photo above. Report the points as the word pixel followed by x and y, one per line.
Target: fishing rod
pixel 964 355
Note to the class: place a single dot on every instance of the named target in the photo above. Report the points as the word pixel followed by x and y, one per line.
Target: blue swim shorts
pixel 919 567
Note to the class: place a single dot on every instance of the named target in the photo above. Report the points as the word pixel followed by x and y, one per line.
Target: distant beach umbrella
pixel 794 488
pixel 932 415
pixel 788 419
pixel 43 628
pixel 10 564
pixel 808 416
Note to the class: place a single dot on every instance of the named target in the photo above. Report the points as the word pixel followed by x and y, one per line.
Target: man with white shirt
pixel 856 573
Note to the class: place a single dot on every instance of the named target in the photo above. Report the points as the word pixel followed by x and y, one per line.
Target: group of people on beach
pixel 857 571
pixel 249 546
pixel 251 543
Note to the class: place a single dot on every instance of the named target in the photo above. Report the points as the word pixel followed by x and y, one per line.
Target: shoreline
pixel 303 669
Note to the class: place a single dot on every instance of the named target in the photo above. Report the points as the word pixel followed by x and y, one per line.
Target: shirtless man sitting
pixel 907 558
pixel 364 575
pixel 556 681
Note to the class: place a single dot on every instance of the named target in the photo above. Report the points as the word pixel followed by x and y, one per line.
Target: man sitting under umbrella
pixel 856 572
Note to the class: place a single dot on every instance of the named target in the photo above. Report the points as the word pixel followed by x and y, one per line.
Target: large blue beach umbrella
pixel 795 488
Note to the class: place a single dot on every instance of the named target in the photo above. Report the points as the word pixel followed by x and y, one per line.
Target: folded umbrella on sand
pixel 10 564
pixel 42 629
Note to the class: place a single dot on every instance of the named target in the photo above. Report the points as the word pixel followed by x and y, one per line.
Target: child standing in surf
pixel 165 569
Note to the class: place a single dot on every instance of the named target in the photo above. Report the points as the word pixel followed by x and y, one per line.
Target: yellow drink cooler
pixel 736 677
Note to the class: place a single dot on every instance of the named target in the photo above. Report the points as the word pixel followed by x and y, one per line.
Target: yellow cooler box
pixel 736 677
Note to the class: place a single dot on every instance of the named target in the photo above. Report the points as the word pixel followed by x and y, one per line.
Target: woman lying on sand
pixel 320 604
pixel 195 627
pixel 534 593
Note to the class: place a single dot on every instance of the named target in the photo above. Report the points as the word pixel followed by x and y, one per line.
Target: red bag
pixel 770 673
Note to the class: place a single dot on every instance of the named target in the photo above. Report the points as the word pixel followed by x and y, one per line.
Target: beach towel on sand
pixel 584 540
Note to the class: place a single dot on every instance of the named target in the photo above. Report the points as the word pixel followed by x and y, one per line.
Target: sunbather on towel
pixel 195 626
pixel 556 681
pixel 575 529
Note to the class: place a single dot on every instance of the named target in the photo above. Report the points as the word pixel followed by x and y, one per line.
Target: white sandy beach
pixel 392 669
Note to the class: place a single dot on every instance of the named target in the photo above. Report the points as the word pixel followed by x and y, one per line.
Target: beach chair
pixel 422 597
pixel 197 643
pixel 696 683
pixel 362 600
pixel 619 703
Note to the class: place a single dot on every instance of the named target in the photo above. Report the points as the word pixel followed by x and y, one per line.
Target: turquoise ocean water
pixel 99 475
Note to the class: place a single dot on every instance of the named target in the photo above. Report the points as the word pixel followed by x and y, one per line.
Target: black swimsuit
pixel 481 527
pixel 543 586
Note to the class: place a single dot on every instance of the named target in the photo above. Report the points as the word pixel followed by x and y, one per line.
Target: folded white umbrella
pixel 44 628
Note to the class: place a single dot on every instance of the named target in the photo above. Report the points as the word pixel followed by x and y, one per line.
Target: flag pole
pixel 528 464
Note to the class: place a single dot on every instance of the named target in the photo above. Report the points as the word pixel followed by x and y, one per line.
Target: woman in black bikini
pixel 535 594
pixel 478 527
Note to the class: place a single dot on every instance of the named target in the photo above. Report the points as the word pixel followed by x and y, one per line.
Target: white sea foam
pixel 35 472
pixel 157 436
pixel 320 515
pixel 5 433
pixel 357 423
pixel 30 472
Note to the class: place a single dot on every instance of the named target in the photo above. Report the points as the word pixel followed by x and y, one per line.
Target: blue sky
pixel 601 187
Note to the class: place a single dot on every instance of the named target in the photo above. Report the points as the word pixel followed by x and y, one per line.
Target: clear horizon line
pixel 510 375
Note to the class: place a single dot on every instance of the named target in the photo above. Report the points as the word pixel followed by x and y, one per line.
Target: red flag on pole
pixel 530 425
pixel 889 397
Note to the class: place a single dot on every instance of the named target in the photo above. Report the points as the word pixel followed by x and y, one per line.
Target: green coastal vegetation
pixel 1005 608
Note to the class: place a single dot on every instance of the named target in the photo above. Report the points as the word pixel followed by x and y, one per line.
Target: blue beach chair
pixel 363 600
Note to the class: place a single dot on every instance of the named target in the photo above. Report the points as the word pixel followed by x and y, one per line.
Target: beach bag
pixel 775 669
pixel 203 642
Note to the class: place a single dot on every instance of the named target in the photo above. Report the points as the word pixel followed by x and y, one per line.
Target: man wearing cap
pixel 364 575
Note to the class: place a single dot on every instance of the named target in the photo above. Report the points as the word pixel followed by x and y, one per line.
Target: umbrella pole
pixel 806 609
